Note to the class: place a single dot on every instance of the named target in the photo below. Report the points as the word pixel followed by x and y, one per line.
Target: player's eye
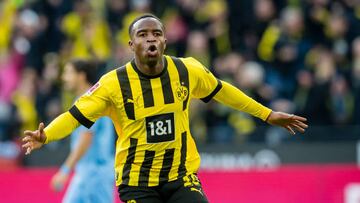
pixel 142 34
pixel 157 34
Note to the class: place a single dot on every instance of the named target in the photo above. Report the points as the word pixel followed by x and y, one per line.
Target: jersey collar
pixel 133 64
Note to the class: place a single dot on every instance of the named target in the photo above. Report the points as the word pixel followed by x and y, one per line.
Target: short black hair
pixel 88 67
pixel 146 15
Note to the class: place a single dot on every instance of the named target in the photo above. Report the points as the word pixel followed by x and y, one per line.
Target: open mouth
pixel 152 50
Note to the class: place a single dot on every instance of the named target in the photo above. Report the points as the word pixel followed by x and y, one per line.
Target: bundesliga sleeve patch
pixel 93 89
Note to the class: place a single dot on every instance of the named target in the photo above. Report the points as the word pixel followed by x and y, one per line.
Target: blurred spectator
pixel 341 101
pixel 197 47
pixel 87 34
pixel 215 23
pixel 316 15
pixel 176 32
pixel 24 100
pixel 283 49
pixel 7 20
pixel 52 12
pixel 115 11
pixel 336 35
pixel 48 102
pixel 31 26
pixel 11 64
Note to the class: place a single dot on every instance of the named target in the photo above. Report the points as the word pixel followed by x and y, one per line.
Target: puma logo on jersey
pixel 196 190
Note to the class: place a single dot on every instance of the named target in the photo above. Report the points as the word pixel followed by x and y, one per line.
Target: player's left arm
pixel 235 98
pixel 206 87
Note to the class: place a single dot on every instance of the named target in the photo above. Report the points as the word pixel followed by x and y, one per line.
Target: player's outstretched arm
pixel 290 122
pixel 59 128
pixel 34 139
pixel 235 98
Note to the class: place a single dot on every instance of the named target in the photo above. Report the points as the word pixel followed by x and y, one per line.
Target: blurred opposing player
pixel 148 100
pixel 92 150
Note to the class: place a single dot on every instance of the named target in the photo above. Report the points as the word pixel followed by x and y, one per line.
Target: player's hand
pixel 34 139
pixel 58 181
pixel 290 122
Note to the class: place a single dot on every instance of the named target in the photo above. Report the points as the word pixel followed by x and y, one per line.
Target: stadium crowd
pixel 291 55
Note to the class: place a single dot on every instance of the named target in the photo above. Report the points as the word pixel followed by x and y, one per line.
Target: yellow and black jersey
pixel 150 115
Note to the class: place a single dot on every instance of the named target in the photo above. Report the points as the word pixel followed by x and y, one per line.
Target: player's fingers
pixel 29 133
pixel 27 145
pixel 28 150
pixel 297 128
pixel 41 127
pixel 27 139
pixel 290 130
pixel 303 125
pixel 299 118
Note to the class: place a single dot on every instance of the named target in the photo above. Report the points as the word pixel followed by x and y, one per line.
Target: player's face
pixel 70 77
pixel 148 41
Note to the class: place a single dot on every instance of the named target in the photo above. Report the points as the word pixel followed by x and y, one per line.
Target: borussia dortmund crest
pixel 182 92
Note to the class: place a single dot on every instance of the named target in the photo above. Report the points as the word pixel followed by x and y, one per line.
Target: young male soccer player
pixel 92 150
pixel 148 100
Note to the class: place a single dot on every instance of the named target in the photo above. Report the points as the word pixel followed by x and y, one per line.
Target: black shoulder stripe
pixel 184 77
pixel 126 92
pixel 147 92
pixel 166 88
pixel 213 93
pixel 75 112
pixel 145 87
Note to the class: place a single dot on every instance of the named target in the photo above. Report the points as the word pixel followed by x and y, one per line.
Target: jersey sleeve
pixel 92 105
pixel 60 127
pixel 204 85
pixel 231 96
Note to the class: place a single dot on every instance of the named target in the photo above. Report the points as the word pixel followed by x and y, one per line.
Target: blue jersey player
pixel 92 150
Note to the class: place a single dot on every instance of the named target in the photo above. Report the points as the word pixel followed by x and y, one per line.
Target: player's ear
pixel 131 45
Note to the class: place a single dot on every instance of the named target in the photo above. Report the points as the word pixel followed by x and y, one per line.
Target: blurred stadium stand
pixel 296 56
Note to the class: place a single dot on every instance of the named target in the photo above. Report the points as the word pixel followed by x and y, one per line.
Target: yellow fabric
pixel 26 110
pixel 267 43
pixel 60 127
pixel 7 18
pixel 122 36
pixel 204 83
pixel 86 45
pixel 235 98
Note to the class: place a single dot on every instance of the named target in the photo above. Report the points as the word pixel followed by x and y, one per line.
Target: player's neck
pixel 150 69
pixel 82 88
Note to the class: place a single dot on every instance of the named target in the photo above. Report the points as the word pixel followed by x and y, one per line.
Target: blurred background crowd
pixel 298 56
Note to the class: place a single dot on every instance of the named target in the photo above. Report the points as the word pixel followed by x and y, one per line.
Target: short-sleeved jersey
pixel 150 114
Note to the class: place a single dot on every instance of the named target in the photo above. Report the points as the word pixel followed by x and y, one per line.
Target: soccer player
pixel 148 100
pixel 92 150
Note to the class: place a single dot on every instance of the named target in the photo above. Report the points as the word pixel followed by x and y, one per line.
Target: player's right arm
pixel 86 110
